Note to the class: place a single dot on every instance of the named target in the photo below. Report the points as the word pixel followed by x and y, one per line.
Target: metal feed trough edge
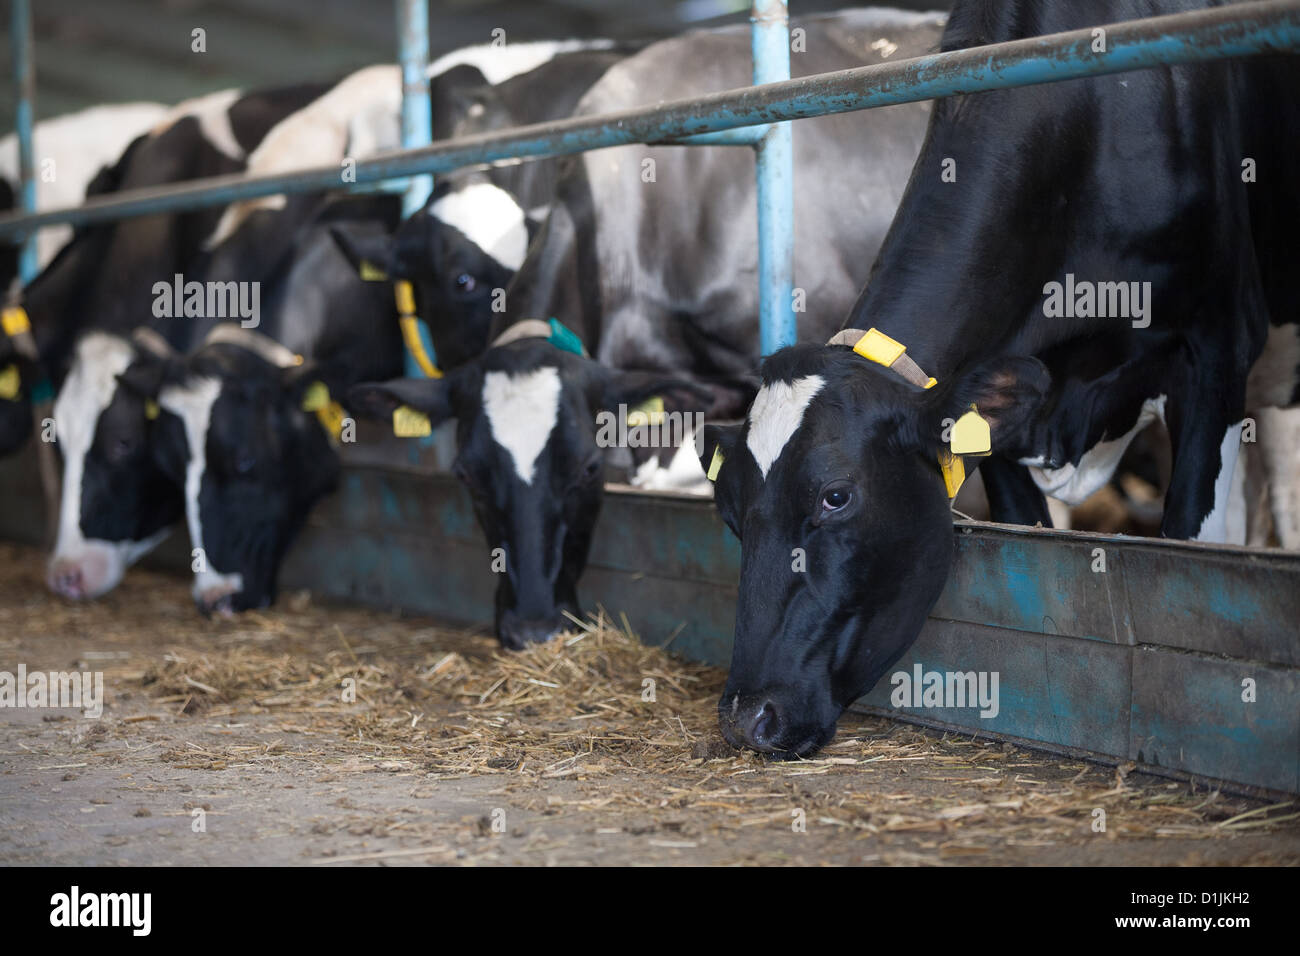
pixel 1144 661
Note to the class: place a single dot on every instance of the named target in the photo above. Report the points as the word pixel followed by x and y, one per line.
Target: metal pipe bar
pixel 25 86
pixel 770 27
pixel 745 136
pixel 417 124
pixel 1195 37
pixel 417 130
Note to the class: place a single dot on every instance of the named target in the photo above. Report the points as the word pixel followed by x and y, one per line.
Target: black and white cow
pixel 218 434
pixel 658 281
pixel 104 277
pixel 254 463
pixel 1134 178
pixel 527 453
pixel 463 248
pixel 114 507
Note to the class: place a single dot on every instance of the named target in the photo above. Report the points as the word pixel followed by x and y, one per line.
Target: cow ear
pixel 378 400
pixel 717 443
pixel 374 257
pixel 148 373
pixel 1007 393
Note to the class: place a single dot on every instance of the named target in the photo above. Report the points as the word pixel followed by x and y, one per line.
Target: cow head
pixel 833 486
pixel 251 460
pixel 459 252
pixel 117 503
pixel 528 453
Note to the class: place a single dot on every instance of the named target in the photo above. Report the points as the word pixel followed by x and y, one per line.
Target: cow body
pixel 1007 285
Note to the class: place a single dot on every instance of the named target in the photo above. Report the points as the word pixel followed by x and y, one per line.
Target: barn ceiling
pixel 104 51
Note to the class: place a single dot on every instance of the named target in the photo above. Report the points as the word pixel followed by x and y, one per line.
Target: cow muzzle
pixel 88 572
pixel 218 594
pixel 764 722
pixel 517 632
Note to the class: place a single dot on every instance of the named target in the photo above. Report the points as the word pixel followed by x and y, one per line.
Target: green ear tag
pixel 970 435
pixel 564 339
pixel 409 423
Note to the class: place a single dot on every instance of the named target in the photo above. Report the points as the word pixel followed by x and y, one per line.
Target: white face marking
pixel 490 218
pixel 88 390
pixel 500 63
pixel 776 414
pixel 192 403
pixel 1215 525
pixel 1074 483
pixel 522 411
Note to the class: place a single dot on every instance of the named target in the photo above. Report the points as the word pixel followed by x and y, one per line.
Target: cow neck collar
pixel 552 330
pixel 316 398
pixel 263 346
pixel 412 339
pixel 969 434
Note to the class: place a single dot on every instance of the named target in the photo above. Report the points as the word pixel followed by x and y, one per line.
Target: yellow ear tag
pixel 970 435
pixel 331 415
pixel 316 397
pixel 370 272
pixel 10 381
pixel 404 294
pixel 954 472
pixel 649 412
pixel 715 465
pixel 14 321
pixel 151 409
pixel 409 423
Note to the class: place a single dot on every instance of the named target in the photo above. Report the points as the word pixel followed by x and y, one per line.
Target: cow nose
pixel 218 600
pixel 753 722
pixel 517 632
pixel 65 579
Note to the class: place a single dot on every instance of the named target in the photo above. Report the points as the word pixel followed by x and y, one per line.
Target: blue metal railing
pixel 1183 38
pixel 25 84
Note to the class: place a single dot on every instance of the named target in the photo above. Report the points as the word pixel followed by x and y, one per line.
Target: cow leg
pixel 1013 496
pixel 1204 418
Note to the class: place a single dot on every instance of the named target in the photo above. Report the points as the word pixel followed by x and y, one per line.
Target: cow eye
pixel 836 498
pixel 466 282
pixel 592 469
pixel 244 463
